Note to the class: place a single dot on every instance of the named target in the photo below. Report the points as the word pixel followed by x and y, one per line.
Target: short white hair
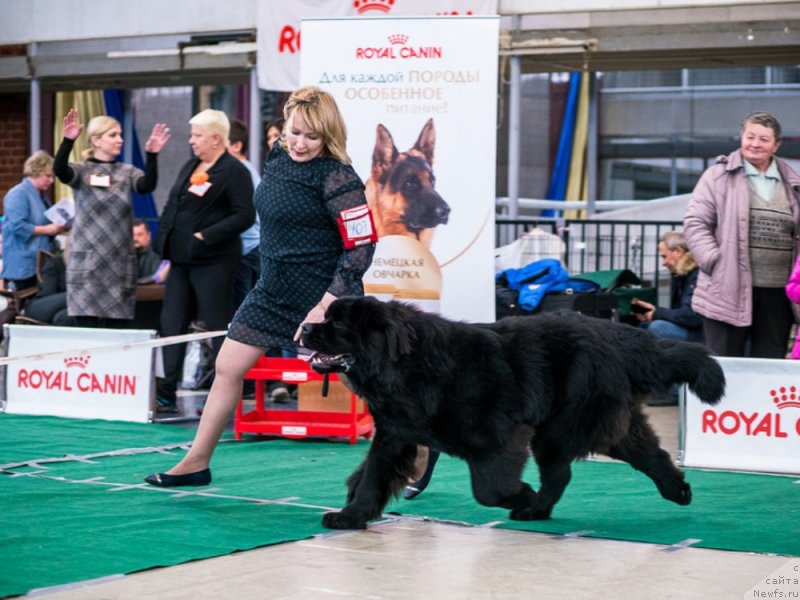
pixel 214 120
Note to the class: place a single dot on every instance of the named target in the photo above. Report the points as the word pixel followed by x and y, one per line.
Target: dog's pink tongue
pixel 307 356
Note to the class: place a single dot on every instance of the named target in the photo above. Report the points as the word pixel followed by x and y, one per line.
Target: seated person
pixel 678 321
pixel 149 263
pixel 49 305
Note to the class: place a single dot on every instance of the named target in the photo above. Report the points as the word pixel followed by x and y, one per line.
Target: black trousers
pixel 21 284
pixel 194 292
pixel 247 276
pixel 766 337
pixel 102 323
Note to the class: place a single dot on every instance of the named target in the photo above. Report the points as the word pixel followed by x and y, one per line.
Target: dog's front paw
pixel 678 492
pixel 529 513
pixel 684 495
pixel 340 520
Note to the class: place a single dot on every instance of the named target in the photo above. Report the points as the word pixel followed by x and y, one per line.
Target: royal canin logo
pixel 75 376
pixel 757 423
pixel 80 361
pixel 785 397
pixel 384 6
pixel 398 48
pixel 364 6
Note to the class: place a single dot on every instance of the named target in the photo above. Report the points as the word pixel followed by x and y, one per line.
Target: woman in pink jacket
pixel 743 227
pixel 793 293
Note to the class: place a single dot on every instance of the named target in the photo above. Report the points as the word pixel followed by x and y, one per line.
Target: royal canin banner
pixel 756 426
pixel 109 381
pixel 279 28
pixel 419 97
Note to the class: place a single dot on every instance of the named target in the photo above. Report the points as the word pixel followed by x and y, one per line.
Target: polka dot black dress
pixel 302 253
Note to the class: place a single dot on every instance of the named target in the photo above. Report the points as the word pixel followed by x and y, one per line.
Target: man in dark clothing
pixel 146 259
pixel 49 305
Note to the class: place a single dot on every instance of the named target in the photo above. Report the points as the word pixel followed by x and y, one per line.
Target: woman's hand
pixel 72 125
pixel 316 314
pixel 158 137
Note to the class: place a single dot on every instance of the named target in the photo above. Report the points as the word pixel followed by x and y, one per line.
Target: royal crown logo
pixel 363 6
pixel 80 361
pixel 398 38
pixel 784 397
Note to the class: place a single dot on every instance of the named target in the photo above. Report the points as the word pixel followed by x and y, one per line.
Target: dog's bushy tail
pixel 691 363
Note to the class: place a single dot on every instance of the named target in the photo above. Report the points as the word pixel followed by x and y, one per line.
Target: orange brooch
pixel 199 178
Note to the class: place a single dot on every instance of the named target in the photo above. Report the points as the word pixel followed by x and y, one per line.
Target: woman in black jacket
pixel 210 204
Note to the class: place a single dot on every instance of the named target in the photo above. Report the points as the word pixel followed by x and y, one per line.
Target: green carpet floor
pixel 89 515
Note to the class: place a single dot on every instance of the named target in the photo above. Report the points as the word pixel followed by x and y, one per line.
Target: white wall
pixel 25 21
pixel 508 7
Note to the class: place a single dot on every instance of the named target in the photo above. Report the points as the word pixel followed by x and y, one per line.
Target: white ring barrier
pixel 756 426
pixel 154 343
pixel 84 372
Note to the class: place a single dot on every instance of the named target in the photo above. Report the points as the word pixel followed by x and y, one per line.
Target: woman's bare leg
pixel 234 360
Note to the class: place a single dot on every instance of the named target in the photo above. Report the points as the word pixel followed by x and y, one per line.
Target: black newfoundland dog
pixel 560 385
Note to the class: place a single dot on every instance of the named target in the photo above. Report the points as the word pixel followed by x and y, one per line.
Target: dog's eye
pixel 411 185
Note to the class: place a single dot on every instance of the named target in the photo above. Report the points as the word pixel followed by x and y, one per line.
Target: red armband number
pixel 357 227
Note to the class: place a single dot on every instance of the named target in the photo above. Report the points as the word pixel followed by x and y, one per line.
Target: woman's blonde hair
pixel 97 126
pixel 321 114
pixel 37 163
pixel 215 121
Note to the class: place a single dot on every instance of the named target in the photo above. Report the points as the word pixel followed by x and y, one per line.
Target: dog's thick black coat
pixel 560 385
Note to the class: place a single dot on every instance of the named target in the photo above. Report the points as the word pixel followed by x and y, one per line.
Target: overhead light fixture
pixel 556 45
pixel 217 49
pixel 141 53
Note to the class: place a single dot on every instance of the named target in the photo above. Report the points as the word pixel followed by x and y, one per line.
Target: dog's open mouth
pixel 327 363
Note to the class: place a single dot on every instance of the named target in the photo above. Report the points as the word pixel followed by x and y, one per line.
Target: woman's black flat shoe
pixel 415 489
pixel 163 480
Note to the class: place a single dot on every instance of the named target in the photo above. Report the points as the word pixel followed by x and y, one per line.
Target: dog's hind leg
pixel 555 472
pixel 640 448
pixel 497 477
pixel 383 474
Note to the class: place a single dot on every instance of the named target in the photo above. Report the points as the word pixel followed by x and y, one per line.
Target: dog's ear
pixel 427 141
pixel 399 337
pixel 384 153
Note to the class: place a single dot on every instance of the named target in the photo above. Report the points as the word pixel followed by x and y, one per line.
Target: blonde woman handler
pixel 306 262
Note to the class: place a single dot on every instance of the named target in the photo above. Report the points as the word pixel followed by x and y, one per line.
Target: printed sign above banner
pixel 279 28
pixel 756 426
pixel 419 99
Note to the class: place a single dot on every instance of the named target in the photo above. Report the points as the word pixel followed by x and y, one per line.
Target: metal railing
pixel 601 245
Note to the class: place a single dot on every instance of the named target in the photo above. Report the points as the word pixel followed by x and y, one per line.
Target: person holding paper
pixel 26 228
pixel 317 240
pixel 101 268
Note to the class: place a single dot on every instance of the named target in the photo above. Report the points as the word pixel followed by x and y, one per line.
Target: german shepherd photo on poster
pixel 401 188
